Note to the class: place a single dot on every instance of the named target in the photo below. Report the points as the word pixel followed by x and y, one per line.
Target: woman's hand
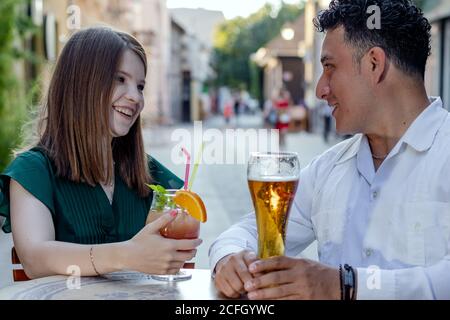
pixel 150 252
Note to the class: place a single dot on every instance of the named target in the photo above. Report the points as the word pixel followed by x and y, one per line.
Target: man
pixel 379 201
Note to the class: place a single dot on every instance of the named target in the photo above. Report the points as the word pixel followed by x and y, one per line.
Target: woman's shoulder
pixel 32 159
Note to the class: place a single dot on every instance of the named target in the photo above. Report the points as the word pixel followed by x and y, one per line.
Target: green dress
pixel 81 213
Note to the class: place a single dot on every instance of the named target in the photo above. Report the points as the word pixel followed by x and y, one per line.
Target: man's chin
pixel 344 131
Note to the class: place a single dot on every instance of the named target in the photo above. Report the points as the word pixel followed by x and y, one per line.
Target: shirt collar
pixel 420 135
pixel 351 150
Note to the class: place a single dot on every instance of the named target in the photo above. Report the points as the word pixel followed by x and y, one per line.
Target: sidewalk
pixel 223 187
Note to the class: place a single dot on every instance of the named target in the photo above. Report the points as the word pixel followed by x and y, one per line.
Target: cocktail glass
pixel 184 226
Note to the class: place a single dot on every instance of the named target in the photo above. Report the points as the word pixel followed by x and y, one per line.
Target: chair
pixel 18 272
pixel 20 275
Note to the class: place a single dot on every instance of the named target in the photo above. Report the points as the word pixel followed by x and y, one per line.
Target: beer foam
pixel 273 179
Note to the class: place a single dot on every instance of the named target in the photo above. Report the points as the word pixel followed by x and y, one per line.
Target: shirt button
pixel 374 195
pixel 368 252
pixel 417 226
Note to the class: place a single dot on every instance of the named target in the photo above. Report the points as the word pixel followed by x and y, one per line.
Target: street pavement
pixel 223 187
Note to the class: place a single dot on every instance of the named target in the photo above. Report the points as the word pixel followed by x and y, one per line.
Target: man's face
pixel 343 85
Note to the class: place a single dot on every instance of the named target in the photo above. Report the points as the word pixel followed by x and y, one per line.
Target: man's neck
pixel 397 113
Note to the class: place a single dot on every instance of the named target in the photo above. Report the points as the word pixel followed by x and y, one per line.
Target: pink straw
pixel 188 166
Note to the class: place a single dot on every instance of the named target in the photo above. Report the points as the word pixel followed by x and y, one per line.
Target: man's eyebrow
pixel 325 58
pixel 129 75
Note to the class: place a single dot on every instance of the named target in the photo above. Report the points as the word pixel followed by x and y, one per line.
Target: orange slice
pixel 192 203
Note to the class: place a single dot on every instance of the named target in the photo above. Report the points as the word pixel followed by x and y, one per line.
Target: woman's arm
pixel 34 239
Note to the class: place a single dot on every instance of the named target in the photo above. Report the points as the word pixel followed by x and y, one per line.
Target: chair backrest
pixel 18 272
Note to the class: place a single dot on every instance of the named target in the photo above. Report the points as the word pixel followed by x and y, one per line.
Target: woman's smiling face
pixel 128 97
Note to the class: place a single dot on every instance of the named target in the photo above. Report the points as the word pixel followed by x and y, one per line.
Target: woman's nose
pixel 133 94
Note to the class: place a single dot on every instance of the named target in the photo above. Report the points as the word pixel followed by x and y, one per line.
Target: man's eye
pixel 141 87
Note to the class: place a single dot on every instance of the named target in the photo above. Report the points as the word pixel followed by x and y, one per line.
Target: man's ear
pixel 378 64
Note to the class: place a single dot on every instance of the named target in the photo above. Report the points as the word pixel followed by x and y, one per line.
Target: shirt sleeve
pixel 31 170
pixel 418 283
pixel 163 176
pixel 240 236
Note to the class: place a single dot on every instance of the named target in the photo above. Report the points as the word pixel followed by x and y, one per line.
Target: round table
pixel 114 286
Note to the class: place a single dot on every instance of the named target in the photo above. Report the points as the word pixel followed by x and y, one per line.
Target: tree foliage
pixel 237 39
pixel 14 26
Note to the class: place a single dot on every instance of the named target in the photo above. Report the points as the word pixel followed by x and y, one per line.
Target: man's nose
pixel 323 89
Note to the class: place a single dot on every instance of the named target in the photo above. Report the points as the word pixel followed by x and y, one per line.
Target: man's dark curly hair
pixel 404 34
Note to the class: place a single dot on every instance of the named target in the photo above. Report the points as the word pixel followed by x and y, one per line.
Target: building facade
pixel 179 82
pixel 437 76
pixel 282 60
pixel 199 26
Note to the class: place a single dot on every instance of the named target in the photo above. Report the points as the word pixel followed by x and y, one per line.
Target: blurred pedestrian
pixel 270 111
pixel 282 105
pixel 227 112
pixel 326 112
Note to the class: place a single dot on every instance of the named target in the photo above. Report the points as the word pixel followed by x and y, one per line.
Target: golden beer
pixel 272 199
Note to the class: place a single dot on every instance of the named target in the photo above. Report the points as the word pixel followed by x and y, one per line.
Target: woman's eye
pixel 141 87
pixel 120 79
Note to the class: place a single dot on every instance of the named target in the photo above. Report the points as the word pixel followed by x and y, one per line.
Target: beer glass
pixel 272 180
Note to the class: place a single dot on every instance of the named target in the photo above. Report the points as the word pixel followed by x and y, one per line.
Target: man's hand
pixel 232 272
pixel 289 278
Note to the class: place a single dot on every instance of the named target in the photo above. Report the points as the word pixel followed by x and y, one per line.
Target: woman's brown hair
pixel 75 130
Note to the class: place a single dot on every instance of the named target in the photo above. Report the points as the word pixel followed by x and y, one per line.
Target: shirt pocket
pixel 427 226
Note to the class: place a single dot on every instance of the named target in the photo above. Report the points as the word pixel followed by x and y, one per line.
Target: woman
pixel 79 197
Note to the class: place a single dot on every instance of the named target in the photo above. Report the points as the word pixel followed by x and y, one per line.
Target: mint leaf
pixel 157 188
pixel 161 200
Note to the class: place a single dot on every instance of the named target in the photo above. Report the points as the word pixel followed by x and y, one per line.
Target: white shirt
pixel 392 224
